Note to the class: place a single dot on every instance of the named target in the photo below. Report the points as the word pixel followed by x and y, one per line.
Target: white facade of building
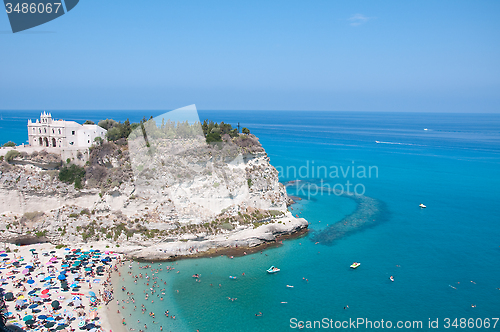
pixel 62 134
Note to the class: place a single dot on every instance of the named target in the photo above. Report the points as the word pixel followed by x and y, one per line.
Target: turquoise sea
pixel 444 258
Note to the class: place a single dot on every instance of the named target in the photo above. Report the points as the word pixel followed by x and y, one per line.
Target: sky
pixel 395 56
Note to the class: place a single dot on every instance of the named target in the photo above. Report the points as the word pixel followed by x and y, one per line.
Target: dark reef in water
pixel 369 212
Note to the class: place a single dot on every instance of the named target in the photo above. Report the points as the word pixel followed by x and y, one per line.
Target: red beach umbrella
pixel 45 291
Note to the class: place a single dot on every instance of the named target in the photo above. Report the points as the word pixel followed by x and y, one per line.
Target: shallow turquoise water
pixel 453 168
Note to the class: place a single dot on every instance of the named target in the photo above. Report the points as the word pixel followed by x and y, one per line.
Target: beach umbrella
pixel 61 277
pixel 26 271
pixel 45 296
pixel 45 291
pixel 53 252
pixel 33 306
pixel 31 281
pixel 65 265
pixel 32 249
pixel 26 318
pixel 51 319
pixel 30 322
pixel 37 299
pixel 55 304
pixel 32 292
pixel 49 324
pixel 43 317
pixel 88 269
pixel 28 267
pixel 9 296
pixel 91 293
pixel 3 255
pixel 61 327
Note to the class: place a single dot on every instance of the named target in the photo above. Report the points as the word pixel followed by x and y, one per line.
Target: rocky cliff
pixel 152 195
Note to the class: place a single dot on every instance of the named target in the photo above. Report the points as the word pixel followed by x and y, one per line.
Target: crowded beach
pixel 49 288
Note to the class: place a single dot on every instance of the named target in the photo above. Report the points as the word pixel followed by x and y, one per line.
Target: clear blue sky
pixel 431 56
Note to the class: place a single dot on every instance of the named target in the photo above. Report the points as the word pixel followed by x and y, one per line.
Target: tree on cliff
pixel 245 131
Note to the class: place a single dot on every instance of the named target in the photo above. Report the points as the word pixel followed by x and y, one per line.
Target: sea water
pixel 444 259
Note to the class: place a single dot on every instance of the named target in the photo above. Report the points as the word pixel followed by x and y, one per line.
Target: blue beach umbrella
pixel 31 281
pixel 61 277
pixel 42 317
pixel 91 293
pixel 33 306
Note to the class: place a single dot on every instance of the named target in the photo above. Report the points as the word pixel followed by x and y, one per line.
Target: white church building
pixel 62 134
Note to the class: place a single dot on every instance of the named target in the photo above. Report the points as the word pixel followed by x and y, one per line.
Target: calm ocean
pixel 444 258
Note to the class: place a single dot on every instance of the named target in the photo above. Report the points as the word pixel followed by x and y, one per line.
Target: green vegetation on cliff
pixel 72 174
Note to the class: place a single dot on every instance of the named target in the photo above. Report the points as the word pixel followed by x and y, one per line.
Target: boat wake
pixel 397 143
pixel 369 212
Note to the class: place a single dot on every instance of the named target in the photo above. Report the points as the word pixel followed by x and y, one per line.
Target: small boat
pixel 392 278
pixel 422 206
pixel 289 286
pixel 196 275
pixel 231 277
pixel 426 129
pixel 355 265
pixel 273 269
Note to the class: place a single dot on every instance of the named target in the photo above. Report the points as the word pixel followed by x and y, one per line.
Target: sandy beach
pixel 45 288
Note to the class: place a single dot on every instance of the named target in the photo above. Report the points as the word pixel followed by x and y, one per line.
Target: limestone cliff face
pixel 180 190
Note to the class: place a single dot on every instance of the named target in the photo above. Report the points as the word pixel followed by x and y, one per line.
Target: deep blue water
pixel 433 253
